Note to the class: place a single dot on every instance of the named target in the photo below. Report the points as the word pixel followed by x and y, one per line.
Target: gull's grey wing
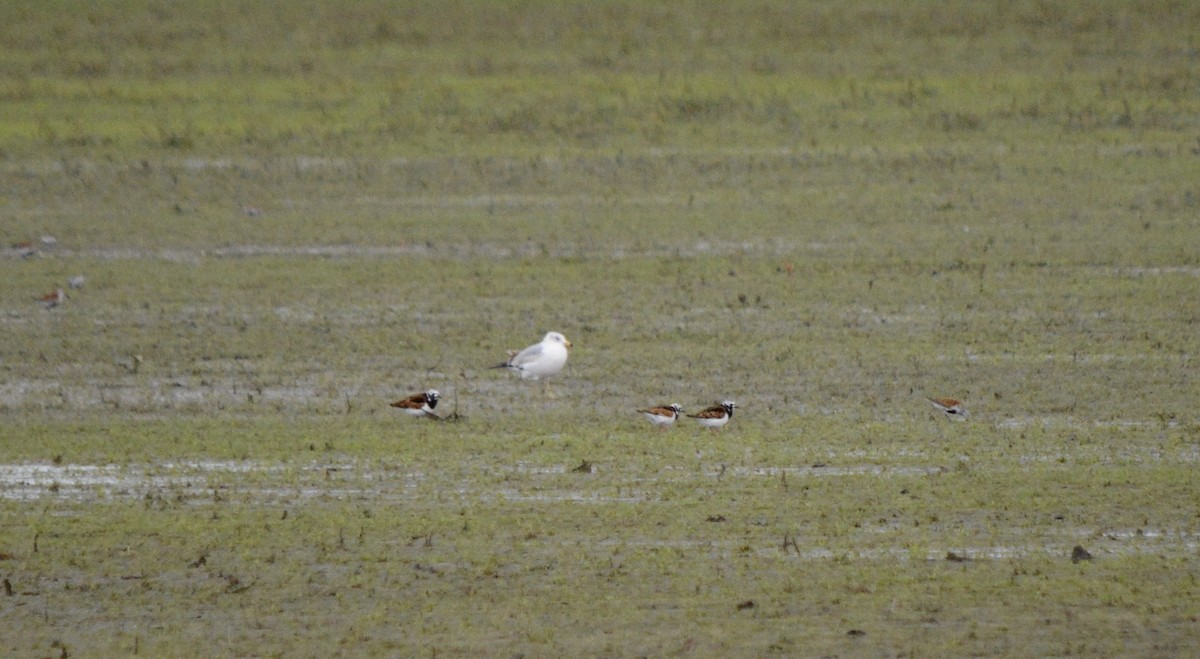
pixel 527 355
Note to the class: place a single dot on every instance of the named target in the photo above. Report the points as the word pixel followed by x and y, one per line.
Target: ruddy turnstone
pixel 420 404
pixel 540 360
pixel 664 416
pixel 25 248
pixel 952 407
pixel 715 416
pixel 51 300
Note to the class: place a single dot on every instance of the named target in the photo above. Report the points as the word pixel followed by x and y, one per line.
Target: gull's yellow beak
pixel 567 342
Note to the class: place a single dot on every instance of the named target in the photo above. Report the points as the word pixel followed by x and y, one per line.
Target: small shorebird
pixel 51 300
pixel 715 416
pixel 420 404
pixel 540 360
pixel 25 248
pixel 664 416
pixel 951 407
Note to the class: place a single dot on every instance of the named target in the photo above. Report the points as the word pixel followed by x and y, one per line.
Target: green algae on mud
pixel 668 540
pixel 487 78
pixel 824 212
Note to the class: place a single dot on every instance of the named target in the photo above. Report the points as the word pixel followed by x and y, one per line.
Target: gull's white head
pixel 555 337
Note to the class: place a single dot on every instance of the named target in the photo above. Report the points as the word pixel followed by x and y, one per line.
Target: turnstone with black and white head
pixel 952 407
pixel 53 299
pixel 420 404
pixel 664 416
pixel 715 416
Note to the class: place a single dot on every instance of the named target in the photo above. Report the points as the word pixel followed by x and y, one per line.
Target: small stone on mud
pixel 584 467
pixel 1080 554
pixel 748 604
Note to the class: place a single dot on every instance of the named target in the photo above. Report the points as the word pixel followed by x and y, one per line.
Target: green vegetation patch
pixel 280 217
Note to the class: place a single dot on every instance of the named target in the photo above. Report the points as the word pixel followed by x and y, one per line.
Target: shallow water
pixel 260 483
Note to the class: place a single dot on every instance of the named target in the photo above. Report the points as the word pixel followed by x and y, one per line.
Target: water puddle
pixel 570 496
pixel 251 482
pixel 819 470
pixel 189 479
pixel 258 480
